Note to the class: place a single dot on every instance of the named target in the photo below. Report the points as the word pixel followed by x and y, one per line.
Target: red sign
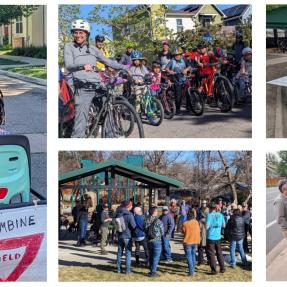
pixel 32 244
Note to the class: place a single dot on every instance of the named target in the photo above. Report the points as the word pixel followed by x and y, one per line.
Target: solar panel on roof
pixel 235 11
pixel 191 8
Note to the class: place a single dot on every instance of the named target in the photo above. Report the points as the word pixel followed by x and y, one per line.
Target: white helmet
pixel 80 24
pixel 246 51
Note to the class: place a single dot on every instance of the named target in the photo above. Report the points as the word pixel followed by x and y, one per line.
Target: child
pixel 245 71
pixel 205 70
pixel 178 68
pixel 155 78
pixel 138 71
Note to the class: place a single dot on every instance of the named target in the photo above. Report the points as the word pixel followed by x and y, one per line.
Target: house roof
pixel 123 169
pixel 235 11
pixel 192 10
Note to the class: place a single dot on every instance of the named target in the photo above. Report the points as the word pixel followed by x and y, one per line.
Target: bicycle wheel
pixel 65 129
pixel 155 112
pixel 122 121
pixel 223 93
pixel 168 104
pixel 196 101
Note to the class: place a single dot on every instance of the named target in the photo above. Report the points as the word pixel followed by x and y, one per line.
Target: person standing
pixel 168 225
pixel 139 236
pixel 174 212
pixel 99 43
pixel 126 58
pixel 183 210
pixel 236 232
pixel 82 222
pixel 105 221
pixel 154 230
pixel 280 205
pixel 191 239
pixel 165 55
pixel 214 223
pixel 246 214
pixel 125 224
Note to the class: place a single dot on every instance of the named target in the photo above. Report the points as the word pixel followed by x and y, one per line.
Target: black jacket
pixel 235 228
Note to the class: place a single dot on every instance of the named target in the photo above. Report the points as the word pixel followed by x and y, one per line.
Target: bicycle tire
pixel 169 114
pixel 197 103
pixel 154 111
pixel 91 129
pixel 223 92
pixel 135 120
pixel 65 129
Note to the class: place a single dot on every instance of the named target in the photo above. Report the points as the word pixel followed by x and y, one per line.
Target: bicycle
pixel 221 93
pixel 116 117
pixel 150 107
pixel 166 97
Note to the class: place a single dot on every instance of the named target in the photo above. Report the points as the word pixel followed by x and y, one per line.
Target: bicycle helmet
pixel 100 38
pixel 82 25
pixel 177 51
pixel 246 51
pixel 136 55
pixel 201 45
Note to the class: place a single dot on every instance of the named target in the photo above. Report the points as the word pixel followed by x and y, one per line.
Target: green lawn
pixel 31 71
pixel 176 272
pixel 10 62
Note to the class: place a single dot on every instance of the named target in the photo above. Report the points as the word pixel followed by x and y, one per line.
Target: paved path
pixel 26 107
pixel 27 60
pixel 212 124
pixel 273 232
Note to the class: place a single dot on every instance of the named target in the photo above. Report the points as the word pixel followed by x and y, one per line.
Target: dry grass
pixel 168 272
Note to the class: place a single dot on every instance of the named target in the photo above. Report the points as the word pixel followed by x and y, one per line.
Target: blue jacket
pixel 168 224
pixel 139 230
pixel 129 222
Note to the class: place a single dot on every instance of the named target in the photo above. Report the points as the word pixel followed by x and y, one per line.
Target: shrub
pixel 34 52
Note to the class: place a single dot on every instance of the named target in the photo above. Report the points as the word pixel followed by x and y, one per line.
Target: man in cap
pixel 105 221
pixel 168 224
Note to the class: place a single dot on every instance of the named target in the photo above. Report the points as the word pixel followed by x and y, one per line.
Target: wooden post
pixel 167 196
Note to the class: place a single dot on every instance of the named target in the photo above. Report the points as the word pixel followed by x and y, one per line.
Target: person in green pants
pixel 105 221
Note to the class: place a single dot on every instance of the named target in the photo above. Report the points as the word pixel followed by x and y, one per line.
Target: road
pixel 273 233
pixel 276 68
pixel 212 124
pixel 26 106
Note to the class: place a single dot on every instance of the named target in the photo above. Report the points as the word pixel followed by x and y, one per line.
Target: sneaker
pixel 213 272
pixel 168 261
pixel 222 270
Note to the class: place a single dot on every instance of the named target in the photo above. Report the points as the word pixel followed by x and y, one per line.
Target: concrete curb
pixel 275 252
pixel 279 114
pixel 33 80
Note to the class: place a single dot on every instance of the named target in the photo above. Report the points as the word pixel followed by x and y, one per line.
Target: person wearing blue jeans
pixel 125 234
pixel 168 224
pixel 82 221
pixel 124 244
pixel 235 230
pixel 154 230
pixel 190 251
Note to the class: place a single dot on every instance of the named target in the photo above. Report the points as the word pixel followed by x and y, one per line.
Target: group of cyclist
pixel 89 67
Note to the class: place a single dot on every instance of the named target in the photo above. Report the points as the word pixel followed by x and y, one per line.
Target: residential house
pixel 188 17
pixel 237 15
pixel 26 31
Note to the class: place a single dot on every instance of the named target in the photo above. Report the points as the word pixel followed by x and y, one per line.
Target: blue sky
pixel 97 29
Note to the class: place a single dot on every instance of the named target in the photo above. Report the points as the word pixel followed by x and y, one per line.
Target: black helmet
pixel 156 64
pixel 100 38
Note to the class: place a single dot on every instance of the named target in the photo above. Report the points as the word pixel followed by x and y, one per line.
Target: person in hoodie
pixel 154 230
pixel 80 58
pixel 125 235
pixel 236 233
pixel 126 57
pixel 139 236
pixel 168 224
pixel 280 205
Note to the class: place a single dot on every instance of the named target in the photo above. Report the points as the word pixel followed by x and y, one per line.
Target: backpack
pixel 152 230
pixel 120 224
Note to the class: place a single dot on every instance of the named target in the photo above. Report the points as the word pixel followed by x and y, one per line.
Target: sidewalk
pixel 277 262
pixel 28 60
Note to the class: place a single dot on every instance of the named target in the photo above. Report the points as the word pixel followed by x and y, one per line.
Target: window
pixel 206 21
pixel 179 26
pixel 19 25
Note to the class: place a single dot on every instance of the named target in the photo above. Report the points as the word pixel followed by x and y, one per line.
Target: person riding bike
pixel 178 68
pixel 80 58
pixel 205 70
pixel 99 43
pixel 138 71
pixel 245 71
